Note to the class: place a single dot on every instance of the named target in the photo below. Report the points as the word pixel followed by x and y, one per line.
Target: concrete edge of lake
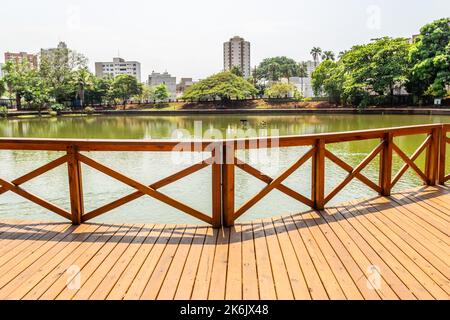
pixel 406 111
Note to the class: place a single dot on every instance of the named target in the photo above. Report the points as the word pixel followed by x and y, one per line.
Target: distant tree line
pixel 62 78
pixel 372 73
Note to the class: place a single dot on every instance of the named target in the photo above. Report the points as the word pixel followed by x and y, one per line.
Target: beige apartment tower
pixel 236 52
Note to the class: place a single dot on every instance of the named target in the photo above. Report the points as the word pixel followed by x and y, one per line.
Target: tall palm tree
pixel 83 80
pixel 328 55
pixel 316 52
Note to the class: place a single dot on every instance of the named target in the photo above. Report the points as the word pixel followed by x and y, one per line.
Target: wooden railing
pixel 223 161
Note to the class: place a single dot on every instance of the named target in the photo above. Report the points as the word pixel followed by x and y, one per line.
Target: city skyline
pixel 189 44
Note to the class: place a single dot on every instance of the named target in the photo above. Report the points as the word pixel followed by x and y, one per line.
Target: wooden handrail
pixel 223 161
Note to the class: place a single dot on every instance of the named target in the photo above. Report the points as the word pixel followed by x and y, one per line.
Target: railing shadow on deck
pixel 39 232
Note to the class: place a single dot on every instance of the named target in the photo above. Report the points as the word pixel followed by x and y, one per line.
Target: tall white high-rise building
pixel 236 52
pixel 118 66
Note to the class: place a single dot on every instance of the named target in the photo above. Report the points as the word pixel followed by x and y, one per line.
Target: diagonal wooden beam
pixel 136 195
pixel 35 173
pixel 411 164
pixel 265 178
pixel 35 199
pixel 144 189
pixel 275 183
pixel 414 157
pixel 349 169
pixel 354 172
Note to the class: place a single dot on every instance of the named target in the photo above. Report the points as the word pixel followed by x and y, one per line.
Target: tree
pixel 57 67
pixel 280 90
pixel 275 68
pixel 160 92
pixel 17 78
pixel 328 55
pixel 430 60
pixel 83 80
pixel 98 92
pixel 237 71
pixel 315 53
pixel 224 85
pixel 378 66
pixel 124 87
pixel 2 87
pixel 328 79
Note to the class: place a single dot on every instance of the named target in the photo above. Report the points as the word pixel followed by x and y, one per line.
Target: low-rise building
pixel 22 56
pixel 118 66
pixel 156 78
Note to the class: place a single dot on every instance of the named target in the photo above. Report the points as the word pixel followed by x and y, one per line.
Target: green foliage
pixel 328 55
pixel 2 87
pixel 160 93
pixel 316 53
pixel 53 113
pixel 124 87
pixel 328 79
pixel 58 69
pixel 3 111
pixel 89 110
pixel 280 90
pixel 236 71
pixel 224 85
pixel 430 60
pixel 57 107
pixel 277 67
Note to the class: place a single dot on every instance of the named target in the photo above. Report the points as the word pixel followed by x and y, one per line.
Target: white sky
pixel 185 37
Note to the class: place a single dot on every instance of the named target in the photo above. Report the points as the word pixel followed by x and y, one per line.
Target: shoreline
pixel 397 111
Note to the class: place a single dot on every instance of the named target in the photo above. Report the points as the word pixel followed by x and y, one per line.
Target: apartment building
pixel 22 56
pixel 118 66
pixel 236 53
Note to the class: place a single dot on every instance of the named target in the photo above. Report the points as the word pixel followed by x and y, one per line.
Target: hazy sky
pixel 186 37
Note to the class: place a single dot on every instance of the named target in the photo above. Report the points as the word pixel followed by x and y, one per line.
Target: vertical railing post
pixel 318 175
pixel 442 155
pixel 217 186
pixel 75 185
pixel 386 164
pixel 432 157
pixel 228 184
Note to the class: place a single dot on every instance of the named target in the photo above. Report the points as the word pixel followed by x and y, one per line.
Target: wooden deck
pixel 332 254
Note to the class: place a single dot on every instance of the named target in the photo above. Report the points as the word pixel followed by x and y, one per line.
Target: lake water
pixel 195 190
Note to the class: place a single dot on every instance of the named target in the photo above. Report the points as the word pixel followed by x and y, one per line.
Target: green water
pixel 195 190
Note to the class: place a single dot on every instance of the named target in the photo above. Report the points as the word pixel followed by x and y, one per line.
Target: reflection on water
pixel 194 190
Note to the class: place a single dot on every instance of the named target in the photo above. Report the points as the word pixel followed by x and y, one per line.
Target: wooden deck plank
pixel 389 251
pixel 46 263
pixel 313 281
pixel 267 289
pixel 173 275
pixel 203 278
pixel 187 279
pixel 100 247
pixel 402 251
pixel 296 277
pixel 45 283
pixel 94 262
pixel 155 282
pixel 234 271
pixel 138 285
pixel 109 281
pixel 356 273
pixel 280 276
pixel 331 254
pixel 329 280
pixel 250 287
